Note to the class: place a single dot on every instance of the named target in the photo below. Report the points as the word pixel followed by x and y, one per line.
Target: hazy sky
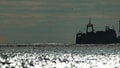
pixel 27 21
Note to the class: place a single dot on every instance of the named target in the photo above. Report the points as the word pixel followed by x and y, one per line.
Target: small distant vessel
pixel 108 36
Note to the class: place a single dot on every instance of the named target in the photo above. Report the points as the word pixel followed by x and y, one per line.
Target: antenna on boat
pixel 119 28
pixel 89 25
pixel 89 20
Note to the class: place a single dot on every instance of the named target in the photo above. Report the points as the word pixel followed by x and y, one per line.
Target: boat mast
pixel 119 28
pixel 89 25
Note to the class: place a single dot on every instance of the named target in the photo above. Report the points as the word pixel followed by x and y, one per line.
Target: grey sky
pixel 27 21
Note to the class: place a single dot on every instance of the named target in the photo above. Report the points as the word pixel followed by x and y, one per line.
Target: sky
pixel 54 21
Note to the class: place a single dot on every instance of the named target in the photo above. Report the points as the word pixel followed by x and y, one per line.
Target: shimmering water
pixel 61 56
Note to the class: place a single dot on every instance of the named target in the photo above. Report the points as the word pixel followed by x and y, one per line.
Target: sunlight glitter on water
pixel 60 57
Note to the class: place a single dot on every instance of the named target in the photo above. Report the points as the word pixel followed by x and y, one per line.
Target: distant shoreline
pixel 57 45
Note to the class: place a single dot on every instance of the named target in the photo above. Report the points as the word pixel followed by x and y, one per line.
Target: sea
pixel 60 56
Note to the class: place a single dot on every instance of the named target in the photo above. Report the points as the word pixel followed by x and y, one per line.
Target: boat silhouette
pixel 108 36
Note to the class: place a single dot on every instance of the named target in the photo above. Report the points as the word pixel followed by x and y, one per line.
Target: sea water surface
pixel 61 56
